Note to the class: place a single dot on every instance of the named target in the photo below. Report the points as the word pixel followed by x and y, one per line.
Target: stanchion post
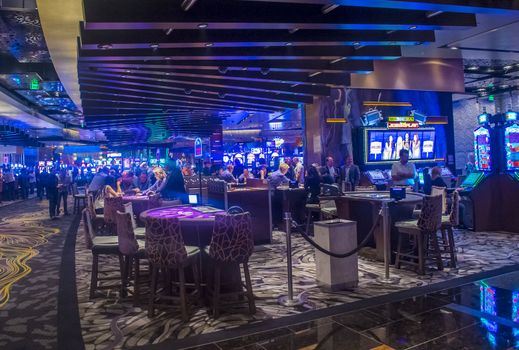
pixel 289 300
pixel 386 231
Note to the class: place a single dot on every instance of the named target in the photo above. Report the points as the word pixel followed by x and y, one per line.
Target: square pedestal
pixel 337 236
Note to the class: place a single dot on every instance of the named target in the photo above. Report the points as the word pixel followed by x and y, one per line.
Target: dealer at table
pixel 403 173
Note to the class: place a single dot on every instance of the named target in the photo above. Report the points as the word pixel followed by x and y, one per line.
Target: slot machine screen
pixel 482 149
pixel 376 175
pixel 512 147
pixel 472 179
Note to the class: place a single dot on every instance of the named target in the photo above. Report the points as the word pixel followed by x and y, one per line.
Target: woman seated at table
pixel 160 183
pixel 111 188
pixel 175 187
pixel 313 185
pixel 246 175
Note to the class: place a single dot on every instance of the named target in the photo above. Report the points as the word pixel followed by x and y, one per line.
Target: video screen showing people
pixel 386 145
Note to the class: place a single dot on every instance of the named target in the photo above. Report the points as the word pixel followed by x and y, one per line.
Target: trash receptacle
pixel 338 236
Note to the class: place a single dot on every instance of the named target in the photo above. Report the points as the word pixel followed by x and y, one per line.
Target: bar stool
pixel 422 230
pixel 447 233
pixel 166 252
pixel 132 251
pixel 231 244
pixel 99 245
pixel 79 198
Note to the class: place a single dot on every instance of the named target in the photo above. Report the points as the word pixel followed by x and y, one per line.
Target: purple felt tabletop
pixel 181 212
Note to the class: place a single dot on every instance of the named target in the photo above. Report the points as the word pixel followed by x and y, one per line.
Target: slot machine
pixel 511 143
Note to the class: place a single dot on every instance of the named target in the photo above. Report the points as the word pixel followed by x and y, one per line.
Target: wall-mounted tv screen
pixel 384 145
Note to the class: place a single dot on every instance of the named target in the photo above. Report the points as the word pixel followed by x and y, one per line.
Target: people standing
pixel 32 181
pixel 331 169
pixel 299 170
pixel 23 183
pixel 350 174
pixel 52 193
pixel 65 182
pixel 403 173
pixel 291 174
pixel 9 183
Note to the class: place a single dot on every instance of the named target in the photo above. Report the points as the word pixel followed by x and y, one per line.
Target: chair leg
pixel 248 283
pixel 308 220
pixel 437 253
pixel 421 257
pixel 183 297
pixel 93 278
pixel 398 251
pixel 151 307
pixel 196 278
pixel 452 248
pixel 123 266
pixel 136 281
pixel 216 291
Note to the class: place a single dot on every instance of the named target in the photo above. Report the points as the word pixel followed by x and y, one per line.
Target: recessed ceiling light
pixel 168 58
pixel 473 68
pixel 123 76
pixel 208 44
pixel 154 46
pixel 412 27
pixel 288 44
pixel 202 25
pixel 453 48
pixel 168 32
pixel 128 71
pixel 356 43
pixel 490 70
pixel 507 67
pixel 104 46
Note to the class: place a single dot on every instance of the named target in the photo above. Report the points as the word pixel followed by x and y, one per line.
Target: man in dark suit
pixel 350 173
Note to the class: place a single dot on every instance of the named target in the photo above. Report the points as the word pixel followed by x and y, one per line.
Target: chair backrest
pixel 454 216
pixel 128 208
pixel 217 193
pixel 431 215
pixel 88 229
pixel 440 191
pixel 127 243
pixel 90 201
pixel 232 239
pixel 112 205
pixel 330 190
pixel 164 242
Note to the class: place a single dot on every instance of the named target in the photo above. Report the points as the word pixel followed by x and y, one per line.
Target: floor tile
pixel 329 336
pixel 420 328
pixel 251 340
pixel 472 338
pixel 361 320
pixel 402 309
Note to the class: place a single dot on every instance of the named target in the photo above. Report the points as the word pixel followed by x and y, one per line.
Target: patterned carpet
pixel 109 322
pixel 30 256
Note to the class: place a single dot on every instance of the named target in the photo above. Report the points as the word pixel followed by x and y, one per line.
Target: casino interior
pixel 259 174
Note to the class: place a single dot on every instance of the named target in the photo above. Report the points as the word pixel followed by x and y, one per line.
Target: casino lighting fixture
pixel 507 67
pixel 188 91
pixel 208 44
pixel 314 74
pixel 412 27
pixel 187 4
pixel 222 94
pixel 453 48
pixel 222 70
pixel 104 46
pixel 154 46
pixel 202 25
pixel 473 68
pixel 335 120
pixel 265 71
pixel 169 31
pixel 288 44
pixel 328 8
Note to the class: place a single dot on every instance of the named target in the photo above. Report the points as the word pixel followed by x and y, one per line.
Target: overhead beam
pixel 230 14
pixel 465 6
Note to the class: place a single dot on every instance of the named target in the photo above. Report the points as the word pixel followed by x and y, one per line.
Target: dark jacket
pixel 353 175
pixel 313 188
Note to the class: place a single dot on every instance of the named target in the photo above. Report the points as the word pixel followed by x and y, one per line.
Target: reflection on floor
pixel 30 258
pixel 481 315
pixel 107 314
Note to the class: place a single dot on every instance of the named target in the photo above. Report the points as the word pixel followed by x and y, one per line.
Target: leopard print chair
pixel 231 244
pixel 447 233
pixel 167 252
pixel 422 231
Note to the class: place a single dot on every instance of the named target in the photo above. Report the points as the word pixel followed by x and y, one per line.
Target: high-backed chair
pixel 217 193
pixel 79 199
pixel 111 206
pixel 447 233
pixel 231 243
pixel 422 230
pixel 440 191
pixel 140 232
pixel 132 251
pixel 166 252
pixel 99 245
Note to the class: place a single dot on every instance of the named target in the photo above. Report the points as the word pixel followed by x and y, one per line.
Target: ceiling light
pixel 356 43
pixel 412 27
pixel 154 46
pixel 314 74
pixel 169 30
pixel 222 94
pixel 187 4
pixel 222 70
pixel 128 71
pixel 244 68
pixel 265 71
pixel 168 58
pixel 338 60
pixel 490 70
pixel 453 48
pixel 433 14
pixel 288 44
pixel 293 30
pixel 296 84
pixel 507 67
pixel 104 46
pixel 208 44
pixel 473 68
pixel 328 8
pixel 202 25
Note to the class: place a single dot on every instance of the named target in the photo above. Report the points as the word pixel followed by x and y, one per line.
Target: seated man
pixel 278 177
pixel 227 175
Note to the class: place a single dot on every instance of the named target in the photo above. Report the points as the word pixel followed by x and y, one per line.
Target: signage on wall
pixel 400 119
pixel 198 147
pixel 403 125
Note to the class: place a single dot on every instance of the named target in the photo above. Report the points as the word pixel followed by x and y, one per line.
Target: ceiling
pixel 185 66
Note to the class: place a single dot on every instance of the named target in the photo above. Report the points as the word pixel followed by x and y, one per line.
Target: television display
pixel 376 175
pixel 384 145
pixel 512 147
pixel 482 149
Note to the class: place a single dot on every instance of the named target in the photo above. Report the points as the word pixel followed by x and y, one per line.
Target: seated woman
pixel 313 185
pixel 246 175
pixel 160 183
pixel 436 177
pixel 175 187
pixel 111 188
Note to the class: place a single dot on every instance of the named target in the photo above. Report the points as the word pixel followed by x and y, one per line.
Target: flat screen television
pixel 383 145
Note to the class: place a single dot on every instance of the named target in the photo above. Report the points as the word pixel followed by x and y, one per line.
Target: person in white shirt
pixel 331 170
pixel 403 173
pixel 299 170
